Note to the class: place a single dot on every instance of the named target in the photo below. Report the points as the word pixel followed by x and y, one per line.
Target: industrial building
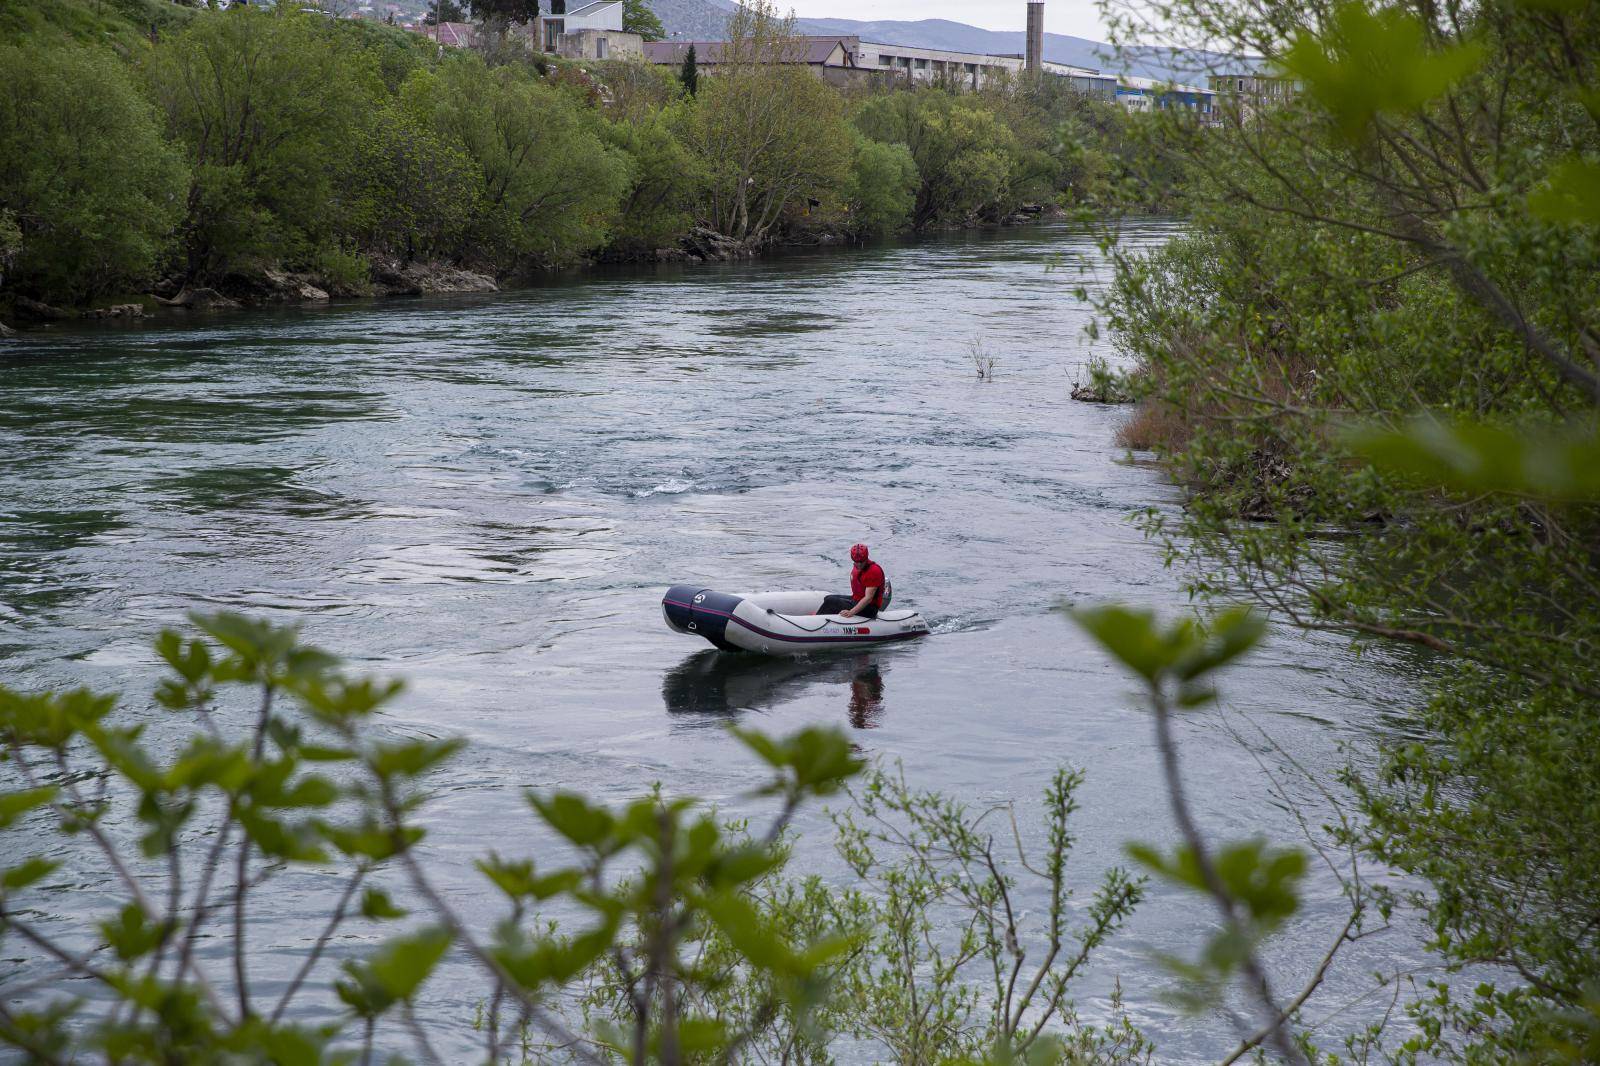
pixel 1249 92
pixel 851 60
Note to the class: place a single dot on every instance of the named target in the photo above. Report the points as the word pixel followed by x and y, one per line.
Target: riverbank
pixel 376 163
pixel 391 279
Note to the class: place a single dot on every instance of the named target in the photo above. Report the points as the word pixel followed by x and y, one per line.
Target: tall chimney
pixel 1035 51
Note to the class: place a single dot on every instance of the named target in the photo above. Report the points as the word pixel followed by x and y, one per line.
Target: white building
pixel 1250 92
pixel 590 31
pixel 580 30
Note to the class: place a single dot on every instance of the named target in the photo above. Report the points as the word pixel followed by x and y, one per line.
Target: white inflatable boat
pixel 780 623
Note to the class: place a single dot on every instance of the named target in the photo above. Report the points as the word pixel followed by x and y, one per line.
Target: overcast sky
pixel 1081 18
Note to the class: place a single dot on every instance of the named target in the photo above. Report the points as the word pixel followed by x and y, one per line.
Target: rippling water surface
pixel 487 495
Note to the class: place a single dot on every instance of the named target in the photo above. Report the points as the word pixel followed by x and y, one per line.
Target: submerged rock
pixel 292 287
pixel 1107 392
pixel 117 311
pixel 415 279
pixel 202 299
pixel 713 247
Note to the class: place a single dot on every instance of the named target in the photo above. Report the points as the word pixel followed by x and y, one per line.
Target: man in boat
pixel 869 589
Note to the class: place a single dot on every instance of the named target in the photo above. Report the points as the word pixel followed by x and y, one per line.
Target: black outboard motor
pixel 702 612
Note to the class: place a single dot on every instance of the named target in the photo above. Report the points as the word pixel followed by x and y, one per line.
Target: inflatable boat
pixel 780 623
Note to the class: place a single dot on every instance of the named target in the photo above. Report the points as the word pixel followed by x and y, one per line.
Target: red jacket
pixel 870 576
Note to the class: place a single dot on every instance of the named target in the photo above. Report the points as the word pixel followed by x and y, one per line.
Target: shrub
pixel 881 192
pixel 549 187
pixel 342 271
pixel 1413 236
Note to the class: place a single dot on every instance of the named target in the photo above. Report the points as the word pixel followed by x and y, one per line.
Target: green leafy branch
pixel 1252 885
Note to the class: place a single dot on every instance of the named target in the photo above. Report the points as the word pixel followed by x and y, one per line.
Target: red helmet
pixel 859 553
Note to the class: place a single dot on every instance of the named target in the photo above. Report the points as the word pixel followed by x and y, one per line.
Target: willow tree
pixel 770 132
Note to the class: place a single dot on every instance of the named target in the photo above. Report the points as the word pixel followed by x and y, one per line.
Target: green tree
pixel 667 181
pixel 89 189
pixel 445 11
pixel 549 185
pixel 689 74
pixel 965 154
pixel 504 12
pixel 409 193
pixel 638 18
pixel 770 133
pixel 392 52
pixel 266 105
pixel 881 192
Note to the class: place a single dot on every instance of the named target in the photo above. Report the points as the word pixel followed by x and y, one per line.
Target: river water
pixel 487 495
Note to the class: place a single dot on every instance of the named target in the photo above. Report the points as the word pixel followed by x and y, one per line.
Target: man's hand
pixel 848 612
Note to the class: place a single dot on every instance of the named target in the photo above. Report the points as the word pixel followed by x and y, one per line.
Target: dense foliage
pixel 225 145
pixel 262 106
pixel 92 188
pixel 124 24
pixel 548 184
pixel 444 11
pixel 1416 233
pixel 504 12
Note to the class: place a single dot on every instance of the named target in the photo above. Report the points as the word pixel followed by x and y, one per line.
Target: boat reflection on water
pixel 715 682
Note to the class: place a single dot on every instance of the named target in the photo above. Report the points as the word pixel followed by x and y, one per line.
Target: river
pixel 487 495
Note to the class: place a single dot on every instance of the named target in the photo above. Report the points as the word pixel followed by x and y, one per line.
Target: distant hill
pixel 697 20
pixel 707 20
